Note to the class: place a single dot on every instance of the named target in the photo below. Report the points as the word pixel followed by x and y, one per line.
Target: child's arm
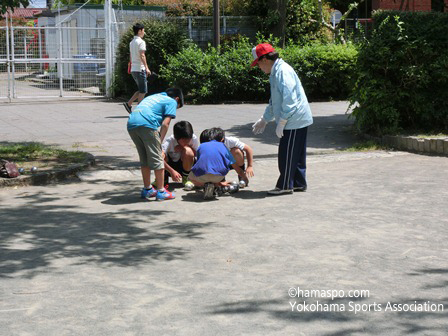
pixel 240 172
pixel 164 127
pixel 174 174
pixel 250 160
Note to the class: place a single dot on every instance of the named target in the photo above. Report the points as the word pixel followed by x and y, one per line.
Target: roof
pixel 24 12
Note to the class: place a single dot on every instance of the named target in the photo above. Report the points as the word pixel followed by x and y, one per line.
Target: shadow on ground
pixel 329 132
pixel 404 322
pixel 34 236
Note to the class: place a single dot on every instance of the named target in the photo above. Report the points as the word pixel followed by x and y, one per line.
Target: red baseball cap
pixel 260 50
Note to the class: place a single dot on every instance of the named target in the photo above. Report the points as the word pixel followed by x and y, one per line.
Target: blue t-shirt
pixel 152 110
pixel 213 158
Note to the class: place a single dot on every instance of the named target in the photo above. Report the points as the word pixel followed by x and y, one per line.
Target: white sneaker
pixel 209 191
pixel 278 191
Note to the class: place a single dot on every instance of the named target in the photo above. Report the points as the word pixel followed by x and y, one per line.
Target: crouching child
pixel 213 162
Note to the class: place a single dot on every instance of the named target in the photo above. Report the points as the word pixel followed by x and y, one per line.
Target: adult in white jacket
pixel 290 109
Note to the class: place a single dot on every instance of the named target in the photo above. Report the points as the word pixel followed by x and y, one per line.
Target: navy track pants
pixel 292 159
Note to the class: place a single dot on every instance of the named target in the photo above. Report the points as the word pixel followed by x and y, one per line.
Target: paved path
pixel 90 258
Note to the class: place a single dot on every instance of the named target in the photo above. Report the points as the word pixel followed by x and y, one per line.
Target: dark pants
pixel 292 159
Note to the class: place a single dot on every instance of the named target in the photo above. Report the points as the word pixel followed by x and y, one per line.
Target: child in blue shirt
pixel 213 162
pixel 143 125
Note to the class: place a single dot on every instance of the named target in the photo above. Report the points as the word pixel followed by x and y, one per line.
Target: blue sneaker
pixel 148 193
pixel 164 195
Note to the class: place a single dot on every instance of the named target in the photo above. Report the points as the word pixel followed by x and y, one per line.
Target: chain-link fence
pixel 51 61
pixel 4 74
pixel 200 28
pixel 67 56
pixel 355 29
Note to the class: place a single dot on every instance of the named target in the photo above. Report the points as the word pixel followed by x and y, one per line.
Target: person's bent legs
pixel 238 154
pixel 147 142
pixel 187 157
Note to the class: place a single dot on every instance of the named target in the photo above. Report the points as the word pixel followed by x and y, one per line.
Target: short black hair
pixel 272 56
pixel 205 136
pixel 174 93
pixel 183 130
pixel 137 27
pixel 217 133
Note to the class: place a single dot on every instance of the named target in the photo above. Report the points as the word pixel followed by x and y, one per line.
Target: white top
pixel 170 143
pixel 135 47
pixel 232 142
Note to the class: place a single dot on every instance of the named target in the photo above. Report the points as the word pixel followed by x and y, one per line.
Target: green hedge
pixel 212 77
pixel 402 74
pixel 326 70
pixel 162 39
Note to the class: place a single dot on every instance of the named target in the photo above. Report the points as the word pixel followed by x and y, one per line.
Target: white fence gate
pixel 61 61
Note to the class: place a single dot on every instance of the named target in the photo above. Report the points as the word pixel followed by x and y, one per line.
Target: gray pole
pixel 8 56
pixel 216 28
pixel 108 56
pixel 13 58
pixel 60 70
pixel 40 48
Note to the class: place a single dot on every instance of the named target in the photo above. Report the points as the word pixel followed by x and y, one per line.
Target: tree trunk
pixel 278 8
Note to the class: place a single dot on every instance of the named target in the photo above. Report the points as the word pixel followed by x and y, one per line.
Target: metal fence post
pixel 224 25
pixel 61 87
pixel 13 68
pixel 190 28
pixel 107 19
pixel 216 29
pixel 8 58
pixel 40 48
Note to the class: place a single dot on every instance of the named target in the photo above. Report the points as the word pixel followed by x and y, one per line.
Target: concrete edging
pixel 42 178
pixel 434 146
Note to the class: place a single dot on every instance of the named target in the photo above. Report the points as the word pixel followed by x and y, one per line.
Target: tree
pixel 278 8
pixel 97 2
pixel 336 30
pixel 11 4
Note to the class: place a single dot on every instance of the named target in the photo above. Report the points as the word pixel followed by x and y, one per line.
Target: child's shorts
pixel 206 178
pixel 147 142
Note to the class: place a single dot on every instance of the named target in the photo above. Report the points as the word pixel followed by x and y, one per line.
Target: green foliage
pixel 11 4
pixel 184 7
pixel 402 74
pixel 212 77
pixel 162 39
pixel 299 29
pixel 56 3
pixel 30 151
pixel 326 70
pixel 365 146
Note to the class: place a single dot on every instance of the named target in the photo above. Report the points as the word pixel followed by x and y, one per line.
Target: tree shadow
pixel 35 236
pixel 327 132
pixel 286 309
pixel 430 322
